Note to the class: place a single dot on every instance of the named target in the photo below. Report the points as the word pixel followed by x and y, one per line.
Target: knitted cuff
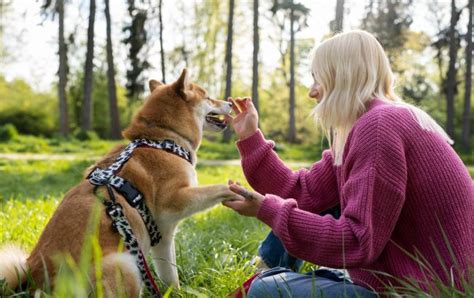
pixel 269 209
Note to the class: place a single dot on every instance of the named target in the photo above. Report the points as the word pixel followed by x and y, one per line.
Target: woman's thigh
pixel 281 282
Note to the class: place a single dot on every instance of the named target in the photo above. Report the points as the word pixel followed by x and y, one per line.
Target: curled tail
pixel 12 266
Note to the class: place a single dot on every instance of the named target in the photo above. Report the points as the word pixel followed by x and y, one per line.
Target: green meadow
pixel 213 247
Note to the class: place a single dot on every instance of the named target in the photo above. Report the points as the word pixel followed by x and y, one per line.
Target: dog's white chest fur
pixel 192 177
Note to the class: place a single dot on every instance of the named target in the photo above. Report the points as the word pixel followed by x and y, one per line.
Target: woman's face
pixel 316 91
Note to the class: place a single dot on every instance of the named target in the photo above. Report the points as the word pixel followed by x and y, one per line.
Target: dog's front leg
pixel 199 198
pixel 164 258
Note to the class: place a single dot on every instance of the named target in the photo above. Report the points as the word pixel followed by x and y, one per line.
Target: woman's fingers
pixel 240 190
pixel 249 104
pixel 234 204
pixel 228 118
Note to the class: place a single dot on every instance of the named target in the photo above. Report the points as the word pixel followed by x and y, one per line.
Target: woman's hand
pixel 248 203
pixel 245 122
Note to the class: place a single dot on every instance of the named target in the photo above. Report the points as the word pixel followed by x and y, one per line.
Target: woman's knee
pixel 281 282
pixel 272 283
pixel 262 287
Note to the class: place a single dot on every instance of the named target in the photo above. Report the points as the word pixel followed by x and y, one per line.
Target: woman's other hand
pixel 248 203
pixel 245 121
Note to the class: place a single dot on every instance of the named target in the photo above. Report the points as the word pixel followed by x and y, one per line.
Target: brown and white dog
pixel 177 111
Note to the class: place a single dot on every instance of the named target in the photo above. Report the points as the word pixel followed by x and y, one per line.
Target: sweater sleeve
pixel 372 198
pixel 315 189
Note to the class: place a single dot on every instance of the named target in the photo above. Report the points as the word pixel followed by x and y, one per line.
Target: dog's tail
pixel 12 266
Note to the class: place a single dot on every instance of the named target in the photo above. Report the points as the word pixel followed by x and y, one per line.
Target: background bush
pixel 31 121
pixel 8 132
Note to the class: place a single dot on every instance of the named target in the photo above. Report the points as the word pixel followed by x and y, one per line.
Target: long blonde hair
pixel 352 69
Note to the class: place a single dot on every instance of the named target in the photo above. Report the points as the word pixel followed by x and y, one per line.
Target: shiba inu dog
pixel 178 112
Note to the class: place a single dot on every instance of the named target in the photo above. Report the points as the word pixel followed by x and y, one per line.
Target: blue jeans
pixel 284 281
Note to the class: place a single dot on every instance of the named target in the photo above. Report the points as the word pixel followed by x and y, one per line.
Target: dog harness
pixel 106 177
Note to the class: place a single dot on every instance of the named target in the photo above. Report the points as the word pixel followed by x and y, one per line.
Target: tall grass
pixel 213 248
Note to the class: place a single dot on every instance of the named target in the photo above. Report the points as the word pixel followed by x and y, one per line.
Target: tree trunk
pixel 337 24
pixel 228 61
pixel 451 78
pixel 162 51
pixel 291 124
pixel 466 119
pixel 368 15
pixel 62 73
pixel 111 87
pixel 88 72
pixel 256 45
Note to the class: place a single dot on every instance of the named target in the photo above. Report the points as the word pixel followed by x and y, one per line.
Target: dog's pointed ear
pixel 181 84
pixel 153 84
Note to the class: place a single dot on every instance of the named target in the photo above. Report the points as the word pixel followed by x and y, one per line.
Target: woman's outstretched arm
pixel 315 189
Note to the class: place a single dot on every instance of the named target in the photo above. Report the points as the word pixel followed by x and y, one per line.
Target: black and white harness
pixel 106 177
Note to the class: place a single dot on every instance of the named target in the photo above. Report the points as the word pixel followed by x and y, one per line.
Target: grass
pixel 32 144
pixel 93 148
pixel 213 247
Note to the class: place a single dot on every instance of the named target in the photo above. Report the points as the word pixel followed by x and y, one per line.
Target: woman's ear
pixel 181 85
pixel 152 84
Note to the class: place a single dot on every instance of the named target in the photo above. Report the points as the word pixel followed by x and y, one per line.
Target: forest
pixel 74 72
pixel 250 48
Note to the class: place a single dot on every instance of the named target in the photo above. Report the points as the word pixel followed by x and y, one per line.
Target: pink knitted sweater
pixel 407 202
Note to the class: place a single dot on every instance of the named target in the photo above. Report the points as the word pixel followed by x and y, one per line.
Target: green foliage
pixel 100 114
pixel 274 117
pixel 136 39
pixel 211 149
pixel 86 135
pixel 29 111
pixel 471 169
pixel 8 132
pixel 29 121
pixel 288 5
pixel 205 52
pixel 389 24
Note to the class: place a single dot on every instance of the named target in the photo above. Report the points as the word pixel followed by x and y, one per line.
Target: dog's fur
pixel 175 111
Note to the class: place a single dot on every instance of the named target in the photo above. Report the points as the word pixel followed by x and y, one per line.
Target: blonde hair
pixel 352 69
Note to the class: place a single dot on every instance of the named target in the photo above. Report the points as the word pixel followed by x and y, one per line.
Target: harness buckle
pixel 129 192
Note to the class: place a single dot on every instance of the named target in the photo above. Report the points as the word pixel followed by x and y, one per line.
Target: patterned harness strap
pixel 106 177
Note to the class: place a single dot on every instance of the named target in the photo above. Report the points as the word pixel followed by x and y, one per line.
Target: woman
pixel 407 206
